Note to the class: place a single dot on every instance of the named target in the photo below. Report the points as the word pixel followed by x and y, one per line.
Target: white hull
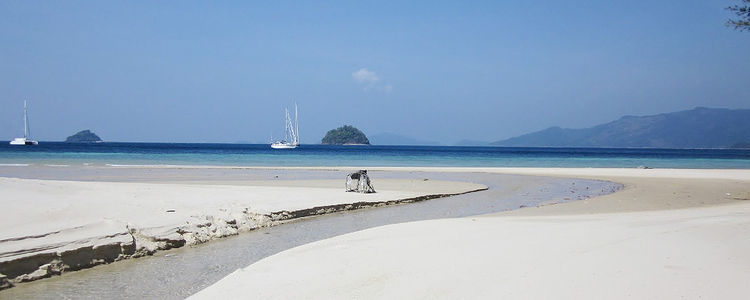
pixel 23 142
pixel 283 146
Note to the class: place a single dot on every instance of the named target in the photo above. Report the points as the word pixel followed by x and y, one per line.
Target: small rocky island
pixel 345 135
pixel 84 136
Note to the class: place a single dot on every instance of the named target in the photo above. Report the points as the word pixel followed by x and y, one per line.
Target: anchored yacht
pixel 25 139
pixel 291 132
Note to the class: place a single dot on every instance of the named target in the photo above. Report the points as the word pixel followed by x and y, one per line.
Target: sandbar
pixel 52 226
pixel 668 234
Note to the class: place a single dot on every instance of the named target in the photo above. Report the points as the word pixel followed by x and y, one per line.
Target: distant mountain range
pixel 387 138
pixel 471 143
pixel 697 128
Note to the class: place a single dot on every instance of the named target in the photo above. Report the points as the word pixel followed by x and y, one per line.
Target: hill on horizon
pixel 387 138
pixel 345 135
pixel 468 143
pixel 84 136
pixel 697 128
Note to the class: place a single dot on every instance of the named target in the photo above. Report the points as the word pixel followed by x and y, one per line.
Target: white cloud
pixel 365 76
pixel 370 81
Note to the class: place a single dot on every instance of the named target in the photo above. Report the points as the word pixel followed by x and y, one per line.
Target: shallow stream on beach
pixel 178 273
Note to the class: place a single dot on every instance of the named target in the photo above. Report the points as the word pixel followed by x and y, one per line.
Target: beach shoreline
pixel 668 234
pixel 637 182
pixel 72 225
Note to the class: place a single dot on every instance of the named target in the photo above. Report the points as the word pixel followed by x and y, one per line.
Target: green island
pixel 345 135
pixel 84 136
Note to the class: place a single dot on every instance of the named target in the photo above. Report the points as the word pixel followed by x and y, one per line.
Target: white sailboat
pixel 25 139
pixel 291 132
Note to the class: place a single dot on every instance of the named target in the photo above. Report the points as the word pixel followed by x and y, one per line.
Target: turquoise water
pixel 57 153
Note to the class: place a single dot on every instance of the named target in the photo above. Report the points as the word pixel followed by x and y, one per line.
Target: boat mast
pixel 296 126
pixel 25 121
pixel 287 126
pixel 290 126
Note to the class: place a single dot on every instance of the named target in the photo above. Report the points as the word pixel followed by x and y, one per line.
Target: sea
pixel 262 155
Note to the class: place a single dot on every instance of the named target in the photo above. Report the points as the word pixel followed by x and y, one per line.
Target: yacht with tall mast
pixel 291 132
pixel 25 139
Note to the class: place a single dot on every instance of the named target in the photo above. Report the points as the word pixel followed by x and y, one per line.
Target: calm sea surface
pixel 58 153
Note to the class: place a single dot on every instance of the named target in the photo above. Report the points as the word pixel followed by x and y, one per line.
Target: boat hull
pixel 23 142
pixel 283 146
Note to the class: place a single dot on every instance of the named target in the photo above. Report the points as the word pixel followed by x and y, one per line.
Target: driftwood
pixel 359 182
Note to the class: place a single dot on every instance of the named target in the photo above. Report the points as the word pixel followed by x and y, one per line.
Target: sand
pixel 51 226
pixel 669 234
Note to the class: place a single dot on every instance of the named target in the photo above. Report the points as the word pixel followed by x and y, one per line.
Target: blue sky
pixel 180 71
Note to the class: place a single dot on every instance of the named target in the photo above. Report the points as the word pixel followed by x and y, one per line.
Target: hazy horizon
pixel 432 71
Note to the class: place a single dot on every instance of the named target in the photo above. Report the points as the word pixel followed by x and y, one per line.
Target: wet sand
pixel 61 226
pixel 667 234
pixel 187 270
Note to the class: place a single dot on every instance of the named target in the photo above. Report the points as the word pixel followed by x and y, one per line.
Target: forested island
pixel 84 136
pixel 345 135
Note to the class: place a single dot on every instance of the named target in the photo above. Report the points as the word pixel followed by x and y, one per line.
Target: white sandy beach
pixel 49 226
pixel 669 234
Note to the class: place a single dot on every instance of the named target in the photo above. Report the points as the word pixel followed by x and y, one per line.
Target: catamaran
pixel 291 132
pixel 25 139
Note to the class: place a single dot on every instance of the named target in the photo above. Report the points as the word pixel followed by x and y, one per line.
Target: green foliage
pixel 84 136
pixel 346 134
pixel 742 22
